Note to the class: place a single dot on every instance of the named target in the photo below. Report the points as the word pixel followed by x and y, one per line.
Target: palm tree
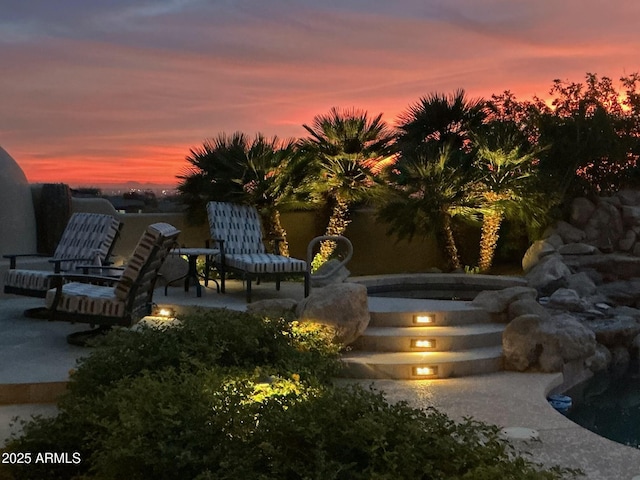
pixel 432 175
pixel 344 152
pixel 441 119
pixel 211 173
pixel 424 192
pixel 267 183
pixel 505 187
pixel 238 169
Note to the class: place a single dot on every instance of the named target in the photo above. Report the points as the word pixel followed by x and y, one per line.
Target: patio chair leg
pixel 278 283
pixel 207 269
pixel 307 279
pixel 222 279
pixel 248 289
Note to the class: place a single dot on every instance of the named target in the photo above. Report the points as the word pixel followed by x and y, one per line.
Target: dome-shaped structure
pixel 17 216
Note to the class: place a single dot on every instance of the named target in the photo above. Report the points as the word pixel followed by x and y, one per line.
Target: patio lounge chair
pixel 108 301
pixel 87 239
pixel 236 231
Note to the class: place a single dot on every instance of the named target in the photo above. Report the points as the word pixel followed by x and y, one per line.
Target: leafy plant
pixel 229 395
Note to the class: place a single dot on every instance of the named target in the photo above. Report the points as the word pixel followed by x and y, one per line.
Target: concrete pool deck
pixel 36 351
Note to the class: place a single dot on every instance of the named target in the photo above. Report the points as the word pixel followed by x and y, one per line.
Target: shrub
pixel 220 337
pixel 228 395
pixel 352 434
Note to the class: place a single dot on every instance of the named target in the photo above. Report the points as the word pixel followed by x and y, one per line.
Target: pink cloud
pixel 128 102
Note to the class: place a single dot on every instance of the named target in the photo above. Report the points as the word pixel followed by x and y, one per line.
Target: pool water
pixel 609 404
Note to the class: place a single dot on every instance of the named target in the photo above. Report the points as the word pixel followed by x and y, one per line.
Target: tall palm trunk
pixel 279 232
pixel 338 222
pixel 450 243
pixel 274 229
pixel 489 238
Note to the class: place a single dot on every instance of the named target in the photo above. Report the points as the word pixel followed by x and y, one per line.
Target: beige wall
pixel 374 251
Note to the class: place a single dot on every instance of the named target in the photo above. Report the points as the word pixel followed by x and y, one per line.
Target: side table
pixel 192 255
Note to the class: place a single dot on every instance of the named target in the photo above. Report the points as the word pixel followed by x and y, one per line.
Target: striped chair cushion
pixel 264 263
pixel 88 236
pixel 28 279
pixel 238 225
pixel 84 298
pixel 162 235
pixel 88 299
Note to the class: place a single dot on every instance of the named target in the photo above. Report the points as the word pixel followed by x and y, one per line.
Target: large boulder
pixel 581 211
pixel 631 215
pixel 569 233
pixel 618 331
pixel 341 306
pixel 273 307
pixel 605 227
pixel 497 301
pixel 621 292
pixel 568 300
pixel 549 274
pixel 173 268
pixel 577 249
pixel 629 197
pixel 526 306
pixel 600 360
pixel 582 284
pixel 537 250
pixel 530 342
pixel 627 241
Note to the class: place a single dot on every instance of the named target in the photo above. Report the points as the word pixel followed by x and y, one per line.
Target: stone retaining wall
pixel 586 272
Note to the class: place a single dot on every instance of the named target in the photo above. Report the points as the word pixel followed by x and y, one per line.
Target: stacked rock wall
pixel 586 271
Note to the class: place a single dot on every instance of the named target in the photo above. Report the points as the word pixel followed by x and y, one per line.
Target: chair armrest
pixel 220 243
pixel 57 261
pixel 85 268
pixel 81 278
pixel 13 256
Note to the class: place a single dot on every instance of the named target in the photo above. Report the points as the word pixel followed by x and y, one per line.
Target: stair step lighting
pixel 423 319
pixel 425 371
pixel 423 343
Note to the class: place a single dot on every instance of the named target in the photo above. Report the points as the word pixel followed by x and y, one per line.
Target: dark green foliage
pixel 352 433
pixel 232 396
pixel 224 338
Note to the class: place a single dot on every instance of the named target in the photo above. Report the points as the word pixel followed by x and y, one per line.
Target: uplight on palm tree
pixel 343 151
pixel 239 169
pixel 424 192
pixel 506 171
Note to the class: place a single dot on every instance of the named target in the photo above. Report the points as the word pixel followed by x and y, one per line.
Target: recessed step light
pixel 423 343
pixel 425 371
pixel 423 319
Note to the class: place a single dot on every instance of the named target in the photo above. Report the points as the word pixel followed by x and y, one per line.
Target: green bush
pixel 228 395
pixel 221 337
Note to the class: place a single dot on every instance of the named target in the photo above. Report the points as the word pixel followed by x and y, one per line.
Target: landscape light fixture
pixel 423 319
pixel 423 343
pixel 425 371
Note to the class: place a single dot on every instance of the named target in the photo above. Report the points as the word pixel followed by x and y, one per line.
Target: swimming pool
pixel 609 404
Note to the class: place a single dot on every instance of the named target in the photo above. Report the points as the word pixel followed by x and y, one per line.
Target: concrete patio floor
pixel 35 351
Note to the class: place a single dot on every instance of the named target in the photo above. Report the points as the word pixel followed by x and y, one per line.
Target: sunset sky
pixel 97 93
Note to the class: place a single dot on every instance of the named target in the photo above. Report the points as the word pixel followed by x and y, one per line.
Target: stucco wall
pixel 374 251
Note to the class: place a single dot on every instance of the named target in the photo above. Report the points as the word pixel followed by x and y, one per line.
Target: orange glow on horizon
pixel 145 165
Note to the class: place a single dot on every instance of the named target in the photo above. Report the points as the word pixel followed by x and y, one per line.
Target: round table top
pixel 194 251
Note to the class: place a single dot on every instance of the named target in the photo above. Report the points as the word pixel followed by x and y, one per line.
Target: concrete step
pixel 421 365
pixel 452 286
pixel 408 312
pixel 416 339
